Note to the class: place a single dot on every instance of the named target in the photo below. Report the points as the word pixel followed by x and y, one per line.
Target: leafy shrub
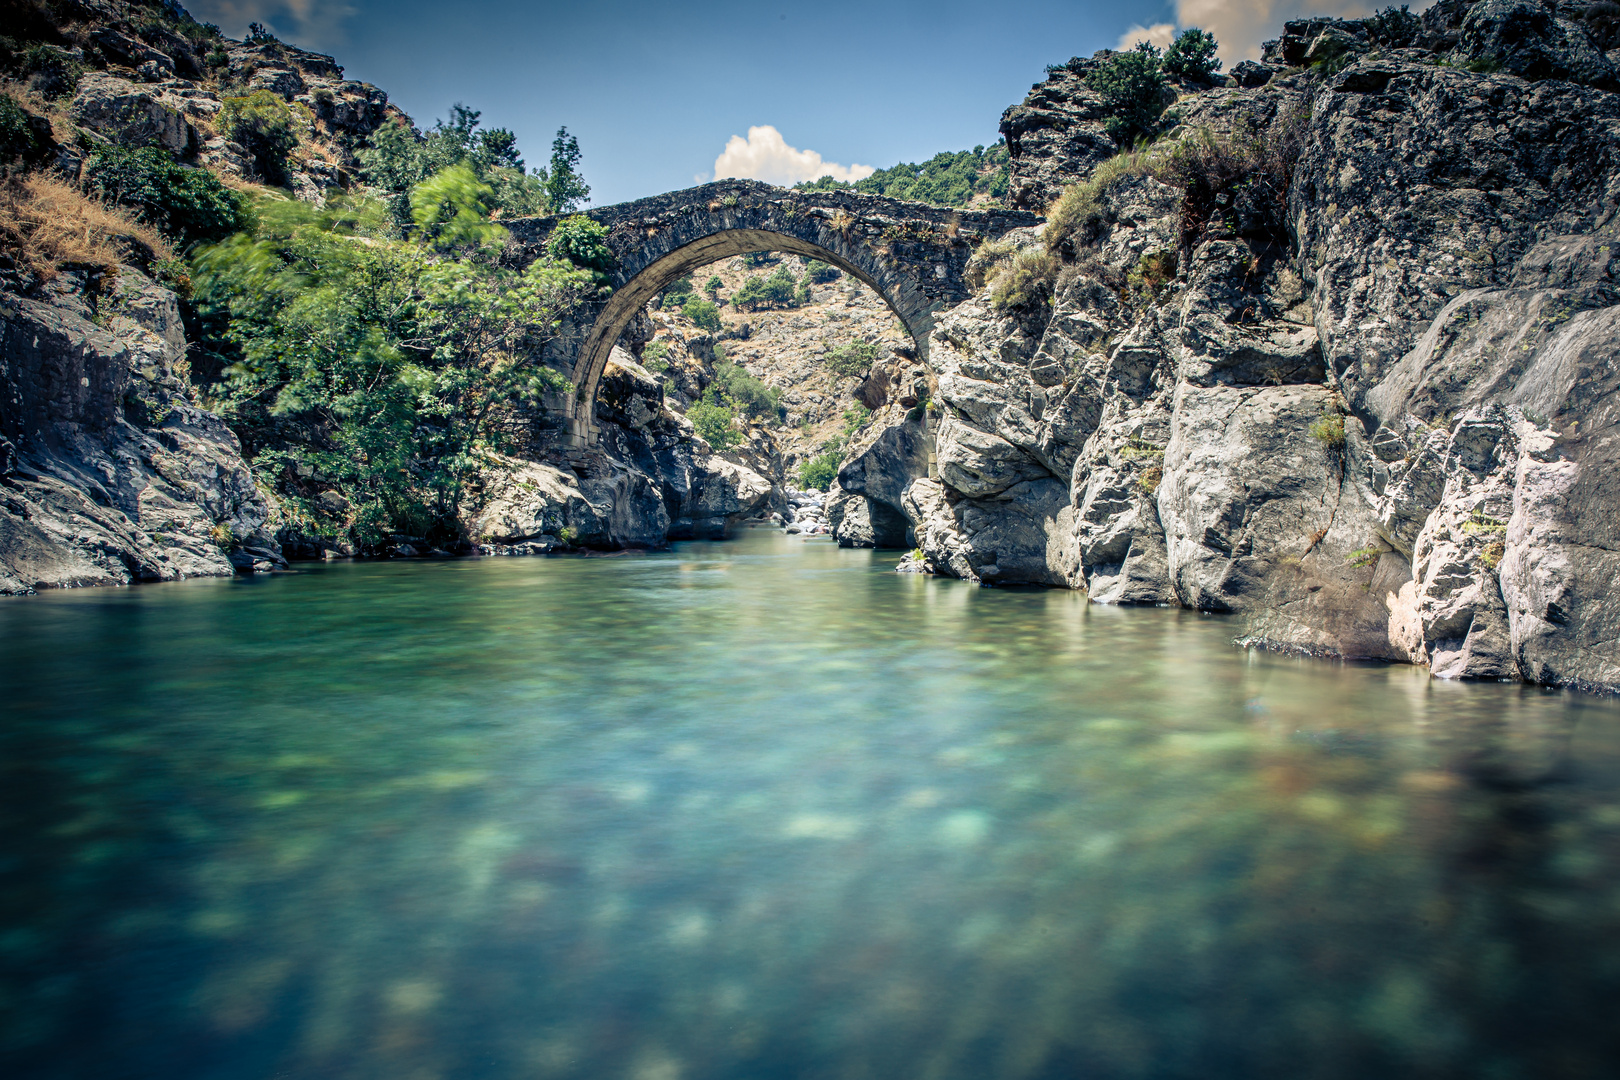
pixel 751 394
pixel 1024 284
pixel 818 473
pixel 451 208
pixel 820 272
pixel 398 159
pixel 1192 55
pixel 1132 87
pixel 853 359
pixel 655 357
pixel 702 313
pixel 262 123
pixel 1329 430
pixel 779 290
pixel 47 225
pixel 713 286
pixel 187 205
pixel 714 417
pixel 583 242
pixel 678 292
pixel 387 369
pixel 53 72
pixel 20 134
pixel 1398 28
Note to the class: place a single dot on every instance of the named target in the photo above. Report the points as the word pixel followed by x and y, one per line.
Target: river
pixel 764 810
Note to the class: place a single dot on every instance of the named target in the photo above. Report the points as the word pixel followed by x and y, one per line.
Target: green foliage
pixel 655 357
pixel 579 240
pixel 262 123
pixel 751 394
pixel 1362 558
pixel 398 159
pixel 1395 28
pixel 756 259
pixel 779 290
pixel 451 209
pixel 187 205
pixel 1079 208
pixel 566 189
pixel 853 359
pixel 702 312
pixel 678 292
pixel 1154 271
pixel 1025 283
pixel 948 179
pixel 713 286
pixel 714 416
pixel 820 272
pixel 818 473
pixel 374 364
pixel 19 141
pixel 1132 87
pixel 1329 430
pixel 1192 55
pixel 51 71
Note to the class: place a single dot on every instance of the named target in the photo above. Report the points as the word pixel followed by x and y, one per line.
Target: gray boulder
pixel 1529 39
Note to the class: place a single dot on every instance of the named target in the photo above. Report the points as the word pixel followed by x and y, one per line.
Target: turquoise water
pixel 765 810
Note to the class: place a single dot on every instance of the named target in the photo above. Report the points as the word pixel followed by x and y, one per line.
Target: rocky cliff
pixel 1336 355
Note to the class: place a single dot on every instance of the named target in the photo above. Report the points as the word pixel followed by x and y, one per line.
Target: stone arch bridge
pixel 912 254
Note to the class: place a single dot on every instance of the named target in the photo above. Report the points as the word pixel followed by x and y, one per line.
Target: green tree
pixel 714 416
pixel 1133 89
pixel 398 159
pixel 749 392
pixel 374 362
pixel 1192 55
pixel 262 123
pixel 713 286
pixel 452 207
pixel 702 313
pixel 948 179
pixel 579 240
pixel 187 205
pixel 565 187
pixel 818 473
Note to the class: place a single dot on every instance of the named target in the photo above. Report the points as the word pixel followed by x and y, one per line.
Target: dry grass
pixel 47 225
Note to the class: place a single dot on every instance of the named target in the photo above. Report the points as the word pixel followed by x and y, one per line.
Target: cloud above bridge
pixel 766 156
pixel 1241 25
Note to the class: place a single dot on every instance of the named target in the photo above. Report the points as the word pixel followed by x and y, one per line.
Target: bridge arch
pixel 912 255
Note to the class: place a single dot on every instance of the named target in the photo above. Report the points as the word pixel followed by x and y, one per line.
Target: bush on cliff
pixel 47 226
pixel 714 416
pixel 1192 55
pixel 702 312
pixel 818 473
pixel 368 365
pixel 748 392
pixel 779 290
pixel 262 123
pixel 1132 87
pixel 188 205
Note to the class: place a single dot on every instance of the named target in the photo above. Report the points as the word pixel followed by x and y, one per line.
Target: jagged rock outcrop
pixel 109 472
pixel 1376 421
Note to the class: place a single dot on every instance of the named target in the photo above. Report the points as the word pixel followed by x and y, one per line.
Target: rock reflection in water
pixel 766 810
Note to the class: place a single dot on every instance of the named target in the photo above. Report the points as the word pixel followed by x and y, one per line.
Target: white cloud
pixel 1160 34
pixel 766 156
pixel 312 23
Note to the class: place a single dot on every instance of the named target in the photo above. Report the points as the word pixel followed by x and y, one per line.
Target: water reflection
pixel 766 810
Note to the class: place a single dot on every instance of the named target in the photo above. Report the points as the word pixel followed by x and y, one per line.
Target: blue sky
pixel 654 91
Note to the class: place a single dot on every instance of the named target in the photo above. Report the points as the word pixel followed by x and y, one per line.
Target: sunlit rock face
pixel 1386 430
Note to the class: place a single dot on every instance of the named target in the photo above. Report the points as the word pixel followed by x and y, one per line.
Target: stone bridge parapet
pixel 912 254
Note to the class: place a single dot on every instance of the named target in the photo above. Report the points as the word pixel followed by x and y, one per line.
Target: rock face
pixel 1374 418
pixel 108 471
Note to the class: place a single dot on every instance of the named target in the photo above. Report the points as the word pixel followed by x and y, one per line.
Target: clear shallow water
pixel 765 810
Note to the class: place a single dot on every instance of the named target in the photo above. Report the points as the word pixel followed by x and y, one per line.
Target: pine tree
pixel 565 187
